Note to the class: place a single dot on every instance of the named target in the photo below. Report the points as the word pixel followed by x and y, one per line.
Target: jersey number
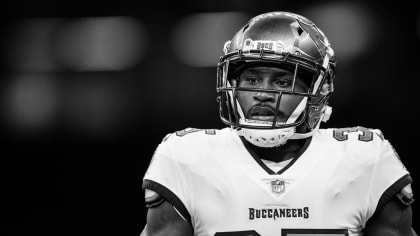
pixel 365 134
pixel 291 232
pixel 186 131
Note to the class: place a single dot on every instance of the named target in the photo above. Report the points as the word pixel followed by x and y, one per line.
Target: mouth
pixel 262 113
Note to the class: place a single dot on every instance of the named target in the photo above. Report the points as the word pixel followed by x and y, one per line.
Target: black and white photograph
pixel 209 118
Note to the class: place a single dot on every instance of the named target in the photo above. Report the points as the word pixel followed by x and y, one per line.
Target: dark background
pixel 76 140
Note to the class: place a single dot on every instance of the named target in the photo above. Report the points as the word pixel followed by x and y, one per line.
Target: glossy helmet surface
pixel 285 40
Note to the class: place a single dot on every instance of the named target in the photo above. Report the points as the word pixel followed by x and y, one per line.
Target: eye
pixel 252 80
pixel 283 82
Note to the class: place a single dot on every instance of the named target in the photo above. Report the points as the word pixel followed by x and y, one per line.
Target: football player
pixel 273 171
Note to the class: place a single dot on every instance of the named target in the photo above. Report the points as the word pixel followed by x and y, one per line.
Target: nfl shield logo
pixel 277 186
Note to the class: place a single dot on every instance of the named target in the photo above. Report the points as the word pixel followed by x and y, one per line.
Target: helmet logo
pixel 267 45
pixel 276 46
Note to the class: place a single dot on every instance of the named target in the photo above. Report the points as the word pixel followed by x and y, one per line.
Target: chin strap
pixel 266 137
pixel 277 137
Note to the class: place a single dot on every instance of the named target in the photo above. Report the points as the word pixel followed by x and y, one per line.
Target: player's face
pixel 261 105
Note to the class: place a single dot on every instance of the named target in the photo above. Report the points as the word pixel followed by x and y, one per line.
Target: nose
pixel 265 96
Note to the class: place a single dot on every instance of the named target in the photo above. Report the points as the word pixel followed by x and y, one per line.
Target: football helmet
pixel 284 40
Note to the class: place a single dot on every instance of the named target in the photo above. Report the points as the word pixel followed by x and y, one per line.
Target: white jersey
pixel 333 187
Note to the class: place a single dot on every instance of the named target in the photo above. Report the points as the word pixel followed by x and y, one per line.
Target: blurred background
pixel 89 89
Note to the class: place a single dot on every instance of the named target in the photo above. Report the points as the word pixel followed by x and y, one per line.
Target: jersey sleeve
pixel 389 177
pixel 168 177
